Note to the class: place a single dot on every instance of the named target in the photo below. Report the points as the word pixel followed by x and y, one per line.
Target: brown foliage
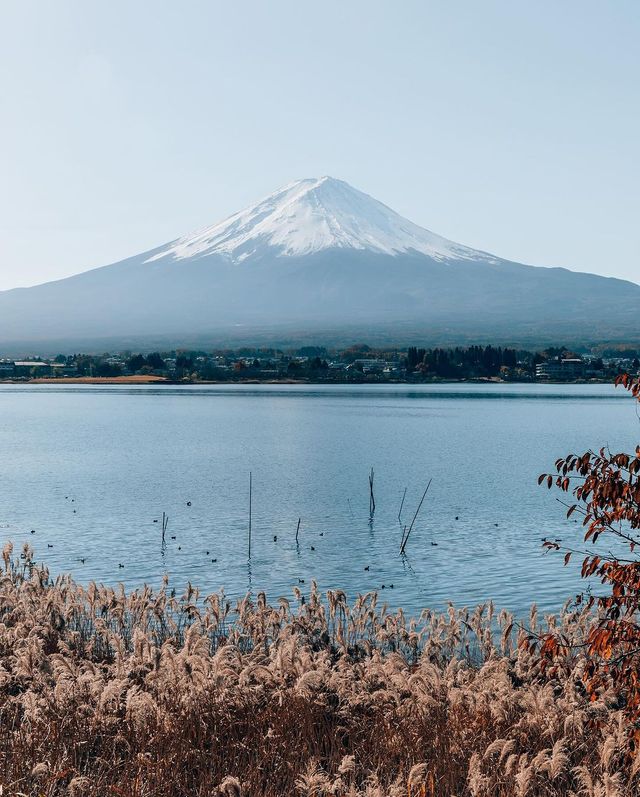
pixel 147 695
pixel 606 488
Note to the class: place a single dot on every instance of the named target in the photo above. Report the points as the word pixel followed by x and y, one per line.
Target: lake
pixel 92 469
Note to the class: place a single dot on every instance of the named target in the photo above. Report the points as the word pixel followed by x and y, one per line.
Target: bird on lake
pixel 321 534
pixel 33 531
pixel 120 564
pixel 457 518
pixel 49 545
pixel 275 538
pixel 207 553
pixel 312 548
pixel 179 547
pixel 301 581
pixel 188 503
pixel 434 543
pixel 367 567
pixel 173 537
pixel 214 560
pixel 81 560
pixel 156 520
pixel 382 587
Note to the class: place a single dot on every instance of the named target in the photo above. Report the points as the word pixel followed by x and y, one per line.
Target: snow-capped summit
pixel 312 215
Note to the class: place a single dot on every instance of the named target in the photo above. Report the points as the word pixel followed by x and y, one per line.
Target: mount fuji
pixel 317 258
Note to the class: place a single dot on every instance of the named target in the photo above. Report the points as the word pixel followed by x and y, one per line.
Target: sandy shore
pixel 99 380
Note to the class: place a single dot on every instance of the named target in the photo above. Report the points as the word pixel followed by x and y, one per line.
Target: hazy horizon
pixel 510 129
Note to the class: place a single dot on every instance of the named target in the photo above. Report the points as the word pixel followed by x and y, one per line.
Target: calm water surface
pixel 91 469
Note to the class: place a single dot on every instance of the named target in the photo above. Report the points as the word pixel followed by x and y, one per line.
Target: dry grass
pixel 145 694
pixel 133 379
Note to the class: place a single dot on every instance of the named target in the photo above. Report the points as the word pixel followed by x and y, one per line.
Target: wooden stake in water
pixel 406 536
pixel 404 495
pixel 372 500
pixel 298 530
pixel 250 496
pixel 165 523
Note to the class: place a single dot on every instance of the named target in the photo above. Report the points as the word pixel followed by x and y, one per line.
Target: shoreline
pixel 161 380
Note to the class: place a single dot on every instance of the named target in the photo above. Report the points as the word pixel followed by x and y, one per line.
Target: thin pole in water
pixel 404 495
pixel 165 523
pixel 372 500
pixel 298 529
pixel 406 536
pixel 250 495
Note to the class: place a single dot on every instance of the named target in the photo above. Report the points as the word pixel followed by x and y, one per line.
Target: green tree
pixel 155 361
pixel 135 363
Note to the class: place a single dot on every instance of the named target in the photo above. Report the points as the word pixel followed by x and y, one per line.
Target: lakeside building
pixel 21 369
pixel 564 370
pixel 30 368
pixel 371 366
pixel 64 369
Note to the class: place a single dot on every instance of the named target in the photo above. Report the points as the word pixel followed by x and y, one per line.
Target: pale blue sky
pixel 505 125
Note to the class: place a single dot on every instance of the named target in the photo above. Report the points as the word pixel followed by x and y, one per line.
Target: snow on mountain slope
pixel 312 215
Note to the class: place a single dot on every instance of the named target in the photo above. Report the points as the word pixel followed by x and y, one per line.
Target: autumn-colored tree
pixel 606 493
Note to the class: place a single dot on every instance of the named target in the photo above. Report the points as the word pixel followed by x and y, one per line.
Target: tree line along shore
pixel 355 364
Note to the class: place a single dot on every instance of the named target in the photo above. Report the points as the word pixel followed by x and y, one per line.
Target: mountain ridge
pixel 317 255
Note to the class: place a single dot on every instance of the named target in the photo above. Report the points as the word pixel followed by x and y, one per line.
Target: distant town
pixel 359 363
